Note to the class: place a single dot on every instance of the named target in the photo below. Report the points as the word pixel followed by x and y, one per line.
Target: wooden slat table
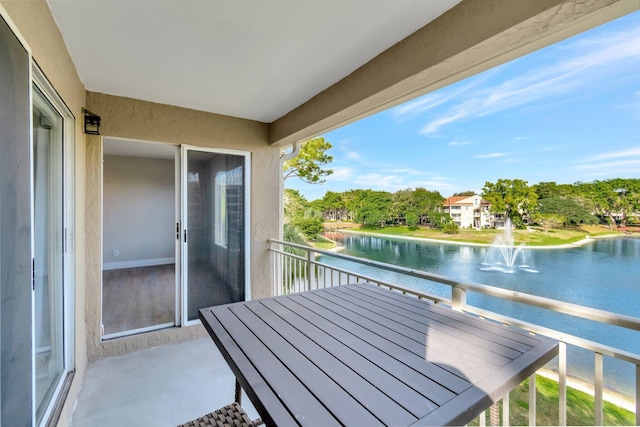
pixel 359 355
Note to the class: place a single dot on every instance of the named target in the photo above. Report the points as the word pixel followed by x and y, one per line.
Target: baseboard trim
pixel 137 263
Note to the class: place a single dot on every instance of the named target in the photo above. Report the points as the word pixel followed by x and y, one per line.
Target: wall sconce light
pixel 91 123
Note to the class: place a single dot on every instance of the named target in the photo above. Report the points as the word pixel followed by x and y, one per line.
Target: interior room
pixel 139 228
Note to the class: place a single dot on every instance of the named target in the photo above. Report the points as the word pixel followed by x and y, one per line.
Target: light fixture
pixel 91 123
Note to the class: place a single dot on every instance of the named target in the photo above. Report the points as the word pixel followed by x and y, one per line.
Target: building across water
pixel 472 212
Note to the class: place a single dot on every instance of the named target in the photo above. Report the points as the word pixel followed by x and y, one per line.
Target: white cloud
pixel 582 63
pixel 625 162
pixel 630 152
pixel 550 148
pixel 617 166
pixel 388 177
pixel 352 155
pixel 392 183
pixel 512 160
pixel 491 155
pixel 414 108
pixel 457 143
pixel 340 174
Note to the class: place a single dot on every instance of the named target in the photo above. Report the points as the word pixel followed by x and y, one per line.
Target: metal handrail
pixel 589 313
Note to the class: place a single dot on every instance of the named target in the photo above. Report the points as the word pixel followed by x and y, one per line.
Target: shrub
pixel 451 228
pixel 310 227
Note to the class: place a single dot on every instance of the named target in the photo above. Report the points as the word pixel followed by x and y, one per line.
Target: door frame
pixel 184 223
pixel 177 190
pixel 181 227
pixel 39 80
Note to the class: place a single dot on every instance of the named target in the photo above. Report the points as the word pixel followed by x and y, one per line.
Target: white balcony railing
pixel 302 272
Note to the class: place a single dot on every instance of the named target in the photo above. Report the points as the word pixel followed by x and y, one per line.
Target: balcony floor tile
pixel 161 386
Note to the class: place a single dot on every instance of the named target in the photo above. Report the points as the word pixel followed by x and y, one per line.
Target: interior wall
pixel 37 27
pixel 139 212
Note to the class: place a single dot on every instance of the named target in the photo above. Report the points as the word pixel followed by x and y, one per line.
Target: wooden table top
pixel 359 355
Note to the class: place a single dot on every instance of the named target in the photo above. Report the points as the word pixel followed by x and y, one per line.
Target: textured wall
pixel 36 25
pixel 141 120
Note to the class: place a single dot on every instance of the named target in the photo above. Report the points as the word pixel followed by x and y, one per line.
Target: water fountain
pixel 504 254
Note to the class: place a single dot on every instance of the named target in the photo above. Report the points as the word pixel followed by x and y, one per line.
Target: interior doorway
pixel 140 207
pixel 175 233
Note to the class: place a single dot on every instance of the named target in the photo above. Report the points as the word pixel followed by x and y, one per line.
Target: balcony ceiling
pixel 245 58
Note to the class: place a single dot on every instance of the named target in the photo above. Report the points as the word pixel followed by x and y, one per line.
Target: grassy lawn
pixel 533 236
pixel 322 243
pixel 579 407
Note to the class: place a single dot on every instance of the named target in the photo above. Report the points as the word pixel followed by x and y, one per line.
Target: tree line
pixel 551 205
pixel 548 204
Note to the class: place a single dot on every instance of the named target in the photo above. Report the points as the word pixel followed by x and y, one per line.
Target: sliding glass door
pixel 215 229
pixel 16 381
pixel 52 203
pixel 48 231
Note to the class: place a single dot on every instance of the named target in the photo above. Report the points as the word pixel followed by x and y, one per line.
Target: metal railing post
pixel 483 419
pixel 562 383
pixel 310 260
pixel 505 410
pixel 458 298
pixel 532 400
pixel 276 271
pixel 597 392
pixel 637 395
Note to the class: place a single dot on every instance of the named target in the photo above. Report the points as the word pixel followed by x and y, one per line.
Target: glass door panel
pixel 214 235
pixel 48 232
pixel 139 237
pixel 16 381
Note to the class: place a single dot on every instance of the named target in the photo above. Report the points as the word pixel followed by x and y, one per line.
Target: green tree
pixel 354 201
pixel 374 208
pixel 427 200
pixel 437 219
pixel 294 204
pixel 412 206
pixel 307 165
pixel 465 193
pixel 291 234
pixel 334 205
pixel 309 227
pixel 301 221
pixel 546 190
pixel 574 213
pixel 548 221
pixel 403 207
pixel 513 198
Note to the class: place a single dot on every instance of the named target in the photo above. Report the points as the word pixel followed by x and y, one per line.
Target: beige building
pixel 147 135
pixel 469 211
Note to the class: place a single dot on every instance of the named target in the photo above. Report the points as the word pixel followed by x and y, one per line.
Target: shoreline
pixel 577 244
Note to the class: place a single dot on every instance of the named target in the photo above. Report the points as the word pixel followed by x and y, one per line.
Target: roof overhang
pixel 306 67
pixel 250 59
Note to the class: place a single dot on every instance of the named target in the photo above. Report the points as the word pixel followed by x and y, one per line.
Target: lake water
pixel 604 274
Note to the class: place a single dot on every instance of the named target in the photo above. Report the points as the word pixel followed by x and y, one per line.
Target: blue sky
pixel 569 112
